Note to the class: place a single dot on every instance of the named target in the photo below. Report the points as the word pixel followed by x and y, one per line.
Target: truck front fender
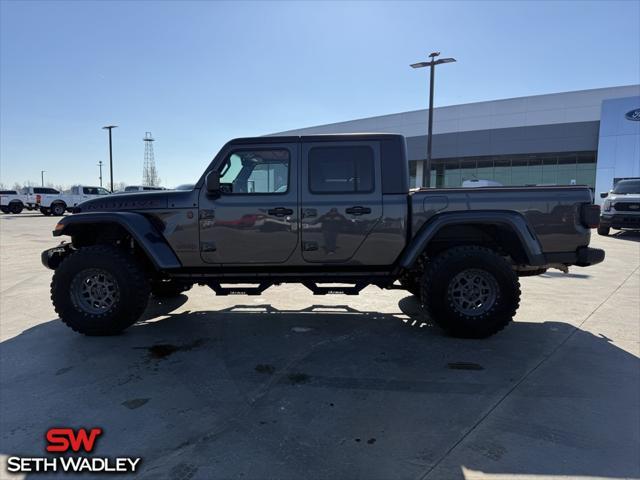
pixel 141 229
pixel 511 220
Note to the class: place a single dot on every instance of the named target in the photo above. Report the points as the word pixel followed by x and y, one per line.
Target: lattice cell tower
pixel 149 173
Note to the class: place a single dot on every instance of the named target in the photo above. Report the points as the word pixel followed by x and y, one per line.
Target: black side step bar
pixel 335 289
pixel 261 287
pixel 238 290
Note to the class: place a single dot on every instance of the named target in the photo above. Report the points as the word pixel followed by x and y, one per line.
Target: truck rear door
pixel 341 197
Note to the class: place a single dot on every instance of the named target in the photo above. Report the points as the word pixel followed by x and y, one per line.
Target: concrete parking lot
pixel 290 386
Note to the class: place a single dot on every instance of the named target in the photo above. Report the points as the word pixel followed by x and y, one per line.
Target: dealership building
pixel 586 137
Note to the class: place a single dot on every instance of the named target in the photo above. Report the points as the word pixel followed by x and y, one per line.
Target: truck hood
pixel 624 197
pixel 133 201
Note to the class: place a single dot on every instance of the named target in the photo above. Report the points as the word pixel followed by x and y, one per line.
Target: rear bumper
pixel 620 221
pixel 582 257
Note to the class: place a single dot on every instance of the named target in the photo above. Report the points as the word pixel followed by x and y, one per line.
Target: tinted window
pixel 341 170
pixel 90 190
pixel 8 192
pixel 255 171
pixel 45 190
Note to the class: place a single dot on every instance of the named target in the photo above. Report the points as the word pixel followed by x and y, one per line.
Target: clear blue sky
pixel 197 74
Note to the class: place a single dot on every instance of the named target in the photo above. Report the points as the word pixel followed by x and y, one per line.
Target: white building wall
pixel 566 107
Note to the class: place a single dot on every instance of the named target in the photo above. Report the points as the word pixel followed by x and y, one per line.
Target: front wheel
pixel 470 291
pixel 99 290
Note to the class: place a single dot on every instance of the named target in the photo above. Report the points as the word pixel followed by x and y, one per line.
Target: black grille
pixel 627 206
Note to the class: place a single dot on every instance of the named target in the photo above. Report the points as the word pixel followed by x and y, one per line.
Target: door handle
pixel 358 210
pixel 280 212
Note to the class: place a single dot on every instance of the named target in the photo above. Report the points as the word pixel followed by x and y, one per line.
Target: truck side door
pixel 341 198
pixel 254 219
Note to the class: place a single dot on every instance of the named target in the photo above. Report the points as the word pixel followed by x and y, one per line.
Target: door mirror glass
pixel 604 194
pixel 213 182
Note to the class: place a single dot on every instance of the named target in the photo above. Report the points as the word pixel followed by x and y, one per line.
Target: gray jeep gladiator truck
pixel 332 212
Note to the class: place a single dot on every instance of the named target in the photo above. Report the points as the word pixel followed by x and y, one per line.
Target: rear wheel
pixel 99 290
pixel 604 231
pixel 45 211
pixel 16 207
pixel 4 209
pixel 470 291
pixel 58 208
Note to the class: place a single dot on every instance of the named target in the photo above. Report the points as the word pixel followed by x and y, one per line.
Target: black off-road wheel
pixel 99 290
pixel 604 231
pixel 470 291
pixel 58 209
pixel 168 288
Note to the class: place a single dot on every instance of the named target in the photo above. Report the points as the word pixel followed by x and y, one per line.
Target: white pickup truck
pixel 28 198
pixel 58 204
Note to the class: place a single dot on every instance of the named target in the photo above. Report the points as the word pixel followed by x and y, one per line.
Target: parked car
pixel 62 202
pixel 321 211
pixel 621 209
pixel 139 188
pixel 11 201
pixel 28 198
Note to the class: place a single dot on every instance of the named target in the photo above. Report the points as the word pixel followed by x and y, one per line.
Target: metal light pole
pixel 110 127
pixel 42 177
pixel 100 165
pixel 431 64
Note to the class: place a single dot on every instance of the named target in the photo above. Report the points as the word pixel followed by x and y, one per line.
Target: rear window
pixel 8 192
pixel 347 169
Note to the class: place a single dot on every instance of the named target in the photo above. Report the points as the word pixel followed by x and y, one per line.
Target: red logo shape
pixel 63 439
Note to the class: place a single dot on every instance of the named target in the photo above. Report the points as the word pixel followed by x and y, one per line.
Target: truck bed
pixel 553 212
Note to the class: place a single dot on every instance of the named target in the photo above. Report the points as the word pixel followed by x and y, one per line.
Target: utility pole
pixel 110 127
pixel 100 165
pixel 431 64
pixel 42 177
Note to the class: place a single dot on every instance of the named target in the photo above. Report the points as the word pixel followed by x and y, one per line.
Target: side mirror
pixel 212 182
pixel 604 194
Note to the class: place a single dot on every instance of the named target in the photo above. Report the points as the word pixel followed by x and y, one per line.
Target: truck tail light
pixel 590 215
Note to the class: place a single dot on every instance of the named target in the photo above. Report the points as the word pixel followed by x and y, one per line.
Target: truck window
pixel 103 191
pixel 45 191
pixel 255 171
pixel 347 169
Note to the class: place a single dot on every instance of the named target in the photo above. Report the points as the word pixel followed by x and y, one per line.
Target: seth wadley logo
pixel 66 440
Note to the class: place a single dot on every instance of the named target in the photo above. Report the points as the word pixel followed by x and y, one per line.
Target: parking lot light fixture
pixel 432 63
pixel 110 127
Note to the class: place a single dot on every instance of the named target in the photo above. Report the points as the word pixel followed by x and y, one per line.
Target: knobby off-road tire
pixel 168 288
pixel 604 231
pixel 470 291
pixel 99 290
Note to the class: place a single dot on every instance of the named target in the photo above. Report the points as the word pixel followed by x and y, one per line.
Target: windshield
pixel 627 186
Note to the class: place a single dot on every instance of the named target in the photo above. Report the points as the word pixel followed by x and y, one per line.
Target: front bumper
pixel 52 257
pixel 620 220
